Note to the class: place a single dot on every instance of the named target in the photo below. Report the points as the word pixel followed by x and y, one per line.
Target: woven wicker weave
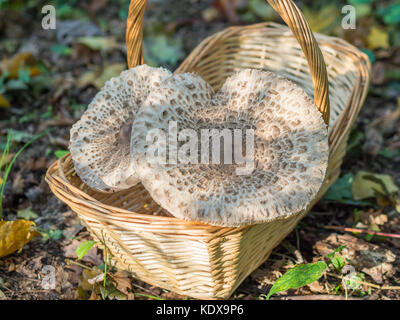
pixel 196 259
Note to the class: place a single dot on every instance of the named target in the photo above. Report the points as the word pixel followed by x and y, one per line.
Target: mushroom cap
pixel 290 148
pixel 100 140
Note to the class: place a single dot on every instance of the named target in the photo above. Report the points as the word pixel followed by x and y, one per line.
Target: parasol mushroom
pixel 100 140
pixel 290 153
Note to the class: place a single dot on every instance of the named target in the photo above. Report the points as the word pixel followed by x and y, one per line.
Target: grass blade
pixel 7 169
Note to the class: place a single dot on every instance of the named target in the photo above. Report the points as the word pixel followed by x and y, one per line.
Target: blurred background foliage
pixel 165 44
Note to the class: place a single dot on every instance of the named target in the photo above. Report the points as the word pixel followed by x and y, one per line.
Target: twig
pixel 284 256
pixel 391 235
pixel 390 288
pixel 316 297
pixel 69 261
pixel 366 283
pixel 144 289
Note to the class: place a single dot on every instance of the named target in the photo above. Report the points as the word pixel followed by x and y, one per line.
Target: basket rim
pixel 123 215
pixel 52 177
pixel 60 185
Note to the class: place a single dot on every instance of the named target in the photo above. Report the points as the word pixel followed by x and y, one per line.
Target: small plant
pixel 107 289
pixel 304 274
pixel 7 167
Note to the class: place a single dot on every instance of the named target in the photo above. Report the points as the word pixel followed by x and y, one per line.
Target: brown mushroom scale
pixel 290 148
pixel 100 140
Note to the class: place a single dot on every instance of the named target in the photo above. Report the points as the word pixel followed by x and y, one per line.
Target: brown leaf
pixel 378 73
pixel 84 54
pixel 123 281
pixel 316 287
pixel 19 60
pixel 4 103
pixel 372 217
pixel 98 78
pixel 368 185
pixel 88 275
pixel 7 159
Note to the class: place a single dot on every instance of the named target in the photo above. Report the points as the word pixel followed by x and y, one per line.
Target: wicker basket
pixel 196 259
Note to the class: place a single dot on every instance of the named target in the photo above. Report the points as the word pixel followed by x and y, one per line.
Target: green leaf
pixel 161 49
pixel 48 114
pixel 62 50
pixel 370 54
pixel 84 248
pixel 60 153
pixel 390 14
pixel 368 237
pixel 261 9
pixel 297 277
pixel 341 189
pixel 355 139
pixel 341 192
pixel 147 296
pixel 51 234
pixel 19 136
pixel 363 7
pixel 16 85
pixel 338 262
pixel 24 74
pixel 390 154
pixel 99 43
pixel 27 214
pixel 358 2
pixel 335 251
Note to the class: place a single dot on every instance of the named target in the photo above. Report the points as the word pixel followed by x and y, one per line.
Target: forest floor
pixel 65 71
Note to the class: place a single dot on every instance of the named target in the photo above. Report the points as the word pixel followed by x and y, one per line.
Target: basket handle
pixel 292 16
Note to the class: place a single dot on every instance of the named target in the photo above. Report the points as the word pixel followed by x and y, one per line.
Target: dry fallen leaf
pixel 27 214
pixel 15 234
pixel 316 287
pixel 97 279
pixel 4 103
pixel 367 184
pixel 86 276
pixel 19 60
pixel 321 20
pixel 375 261
pixel 372 217
pixel 98 79
pixel 99 43
pixel 122 281
pixel 378 73
pixel 378 38
pixel 7 158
